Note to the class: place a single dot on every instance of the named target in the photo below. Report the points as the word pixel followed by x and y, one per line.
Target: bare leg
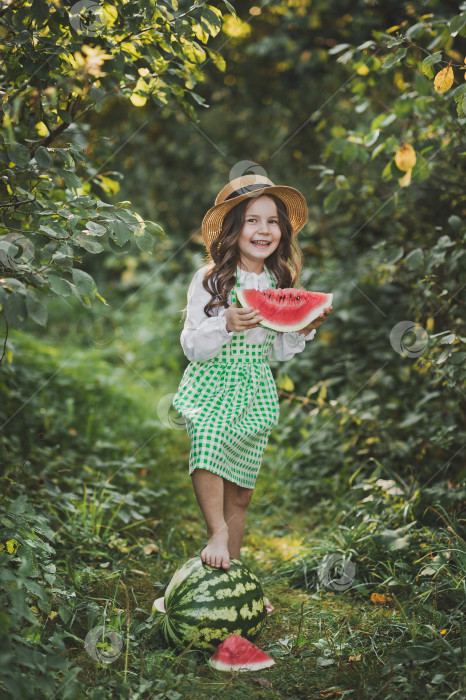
pixel 235 505
pixel 236 500
pixel 208 488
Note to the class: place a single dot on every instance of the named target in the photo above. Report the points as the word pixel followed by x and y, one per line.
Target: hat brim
pixel 295 202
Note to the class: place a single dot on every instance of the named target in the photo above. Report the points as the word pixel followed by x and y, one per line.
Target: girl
pixel 227 393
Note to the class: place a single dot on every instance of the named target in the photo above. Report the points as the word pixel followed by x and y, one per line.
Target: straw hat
pixel 248 186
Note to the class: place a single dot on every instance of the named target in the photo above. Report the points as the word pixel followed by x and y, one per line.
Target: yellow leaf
pixel 138 100
pixel 399 82
pixel 444 79
pixel 405 180
pixel 379 599
pixel 392 29
pixel 12 546
pixel 430 324
pixel 405 157
pixel 322 393
pixel 234 26
pixel 150 548
pixel 41 129
pixel 362 69
pixel 284 382
pixel 52 614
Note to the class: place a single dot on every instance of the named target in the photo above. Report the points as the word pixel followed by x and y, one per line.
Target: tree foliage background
pixel 119 128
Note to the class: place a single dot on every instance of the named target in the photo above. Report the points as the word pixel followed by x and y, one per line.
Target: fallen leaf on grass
pixel 149 548
pixel 379 599
pixel 262 681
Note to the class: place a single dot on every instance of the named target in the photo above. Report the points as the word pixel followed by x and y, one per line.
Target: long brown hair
pixel 285 262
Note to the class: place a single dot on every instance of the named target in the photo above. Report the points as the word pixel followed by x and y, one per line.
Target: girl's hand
pixel 241 319
pixel 316 322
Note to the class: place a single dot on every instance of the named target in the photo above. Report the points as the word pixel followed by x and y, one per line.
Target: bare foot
pixel 216 552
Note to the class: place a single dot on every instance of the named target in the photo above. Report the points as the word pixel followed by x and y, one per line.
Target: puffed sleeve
pixel 286 345
pixel 202 336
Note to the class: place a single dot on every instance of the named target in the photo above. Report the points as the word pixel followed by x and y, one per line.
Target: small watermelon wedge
pixel 236 653
pixel 284 310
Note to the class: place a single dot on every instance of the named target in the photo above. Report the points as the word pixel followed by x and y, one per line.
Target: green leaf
pixel 71 179
pixel 64 613
pixel 158 229
pixel 393 540
pixel 420 654
pixel 332 201
pixel 95 229
pixel 395 255
pixel 64 115
pixel 218 59
pixel 87 243
pixel 199 99
pixel 391 60
pixel 211 20
pixel 43 157
pixel 36 308
pixel 66 156
pixel 429 62
pixel 54 232
pixel 15 285
pixel 337 49
pixel 84 283
pixel 128 216
pixel 414 259
pixel 415 30
pixel 458 358
pixel 59 285
pixel 456 24
pixel 22 37
pixel 230 7
pixel 454 221
pixel 14 308
pixel 120 233
pixel 143 240
pixel 19 154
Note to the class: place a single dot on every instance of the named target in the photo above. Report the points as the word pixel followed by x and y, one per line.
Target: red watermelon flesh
pixel 236 653
pixel 284 310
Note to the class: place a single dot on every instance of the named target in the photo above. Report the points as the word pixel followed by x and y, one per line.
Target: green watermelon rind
pixel 285 328
pixel 205 626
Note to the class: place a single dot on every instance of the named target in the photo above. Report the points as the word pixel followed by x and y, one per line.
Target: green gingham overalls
pixel 230 404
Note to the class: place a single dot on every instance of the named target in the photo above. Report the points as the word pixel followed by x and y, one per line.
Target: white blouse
pixel 203 337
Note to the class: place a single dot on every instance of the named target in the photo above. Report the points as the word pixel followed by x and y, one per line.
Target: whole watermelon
pixel 205 604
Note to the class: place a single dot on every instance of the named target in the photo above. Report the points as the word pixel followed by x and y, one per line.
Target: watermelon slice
pixel 284 310
pixel 236 653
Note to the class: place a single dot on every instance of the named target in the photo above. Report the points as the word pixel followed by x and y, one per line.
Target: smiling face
pixel 260 234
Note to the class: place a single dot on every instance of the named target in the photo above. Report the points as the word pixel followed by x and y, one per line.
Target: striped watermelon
pixel 205 605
